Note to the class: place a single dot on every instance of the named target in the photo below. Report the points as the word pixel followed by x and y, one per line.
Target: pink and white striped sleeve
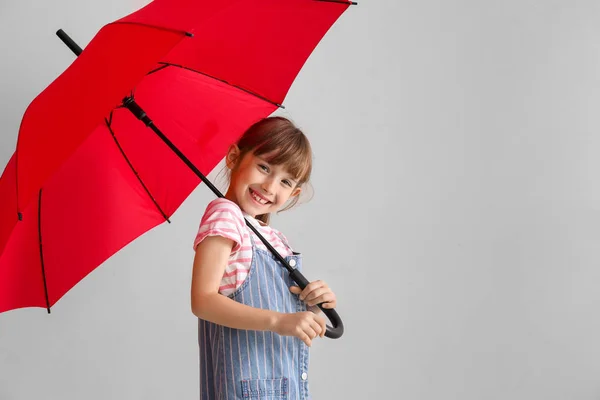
pixel 222 218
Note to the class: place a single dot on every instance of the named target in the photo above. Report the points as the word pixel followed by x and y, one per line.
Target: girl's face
pixel 257 186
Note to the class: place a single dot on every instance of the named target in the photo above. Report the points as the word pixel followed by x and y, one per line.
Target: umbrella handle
pixel 333 332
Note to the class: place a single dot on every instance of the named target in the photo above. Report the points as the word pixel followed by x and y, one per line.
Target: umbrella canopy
pixel 87 177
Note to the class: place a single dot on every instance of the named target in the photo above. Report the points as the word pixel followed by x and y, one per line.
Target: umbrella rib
pixel 157 69
pixel 166 64
pixel 41 251
pixel 162 28
pixel 134 171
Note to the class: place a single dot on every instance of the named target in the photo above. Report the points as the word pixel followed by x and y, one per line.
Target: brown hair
pixel 285 144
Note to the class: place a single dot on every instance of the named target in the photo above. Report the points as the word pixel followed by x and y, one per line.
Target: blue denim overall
pixel 257 365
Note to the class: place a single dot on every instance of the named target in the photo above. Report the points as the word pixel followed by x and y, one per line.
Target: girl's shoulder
pixel 222 210
pixel 222 217
pixel 223 207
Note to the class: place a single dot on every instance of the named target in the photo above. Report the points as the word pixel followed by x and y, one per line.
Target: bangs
pixel 290 150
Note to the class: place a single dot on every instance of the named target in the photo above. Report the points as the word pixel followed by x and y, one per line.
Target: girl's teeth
pixel 261 201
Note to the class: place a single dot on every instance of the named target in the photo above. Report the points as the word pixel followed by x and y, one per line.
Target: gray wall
pixel 456 212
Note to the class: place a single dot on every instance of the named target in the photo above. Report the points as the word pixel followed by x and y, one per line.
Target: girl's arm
pixel 210 261
pixel 211 258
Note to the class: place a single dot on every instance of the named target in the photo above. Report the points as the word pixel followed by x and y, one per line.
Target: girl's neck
pixel 261 223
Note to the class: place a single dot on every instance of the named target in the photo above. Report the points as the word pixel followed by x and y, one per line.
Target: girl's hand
pixel 304 325
pixel 316 292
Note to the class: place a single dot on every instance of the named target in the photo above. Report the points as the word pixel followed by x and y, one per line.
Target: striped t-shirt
pixel 225 218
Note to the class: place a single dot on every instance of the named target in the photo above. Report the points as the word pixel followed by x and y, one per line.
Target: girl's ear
pixel 296 191
pixel 232 156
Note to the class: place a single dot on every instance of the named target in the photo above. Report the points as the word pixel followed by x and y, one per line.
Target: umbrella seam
pixel 41 250
pixel 220 80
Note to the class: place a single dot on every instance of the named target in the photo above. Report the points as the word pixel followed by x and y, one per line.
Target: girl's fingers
pixel 317 327
pixel 311 331
pixel 315 293
pixel 327 297
pixel 307 336
pixel 295 289
pixel 305 339
pixel 310 287
pixel 330 304
pixel 322 323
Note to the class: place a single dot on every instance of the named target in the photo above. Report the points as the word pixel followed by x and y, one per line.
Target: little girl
pixel 254 328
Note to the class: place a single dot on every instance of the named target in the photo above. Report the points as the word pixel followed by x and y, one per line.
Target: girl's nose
pixel 267 186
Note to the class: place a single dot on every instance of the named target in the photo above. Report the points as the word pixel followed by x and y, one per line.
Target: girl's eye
pixel 263 167
pixel 287 183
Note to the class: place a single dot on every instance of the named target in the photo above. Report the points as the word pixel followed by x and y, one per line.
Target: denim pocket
pixel 265 389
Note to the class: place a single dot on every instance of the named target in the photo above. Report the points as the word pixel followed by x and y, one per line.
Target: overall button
pixel 292 263
pixel 304 376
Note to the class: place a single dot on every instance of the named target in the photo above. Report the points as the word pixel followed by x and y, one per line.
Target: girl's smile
pixel 261 200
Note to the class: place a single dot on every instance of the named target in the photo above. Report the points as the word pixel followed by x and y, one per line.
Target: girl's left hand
pixel 316 292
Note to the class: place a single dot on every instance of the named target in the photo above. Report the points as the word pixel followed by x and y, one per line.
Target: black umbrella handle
pixel 333 332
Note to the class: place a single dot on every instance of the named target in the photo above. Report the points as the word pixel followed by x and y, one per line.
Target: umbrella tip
pixel 189 34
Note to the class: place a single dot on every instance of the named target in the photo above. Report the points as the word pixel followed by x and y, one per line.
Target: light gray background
pixel 456 212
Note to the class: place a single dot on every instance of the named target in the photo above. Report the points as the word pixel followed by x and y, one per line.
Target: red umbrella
pixel 87 177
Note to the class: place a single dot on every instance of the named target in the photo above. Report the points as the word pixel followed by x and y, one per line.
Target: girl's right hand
pixel 304 325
